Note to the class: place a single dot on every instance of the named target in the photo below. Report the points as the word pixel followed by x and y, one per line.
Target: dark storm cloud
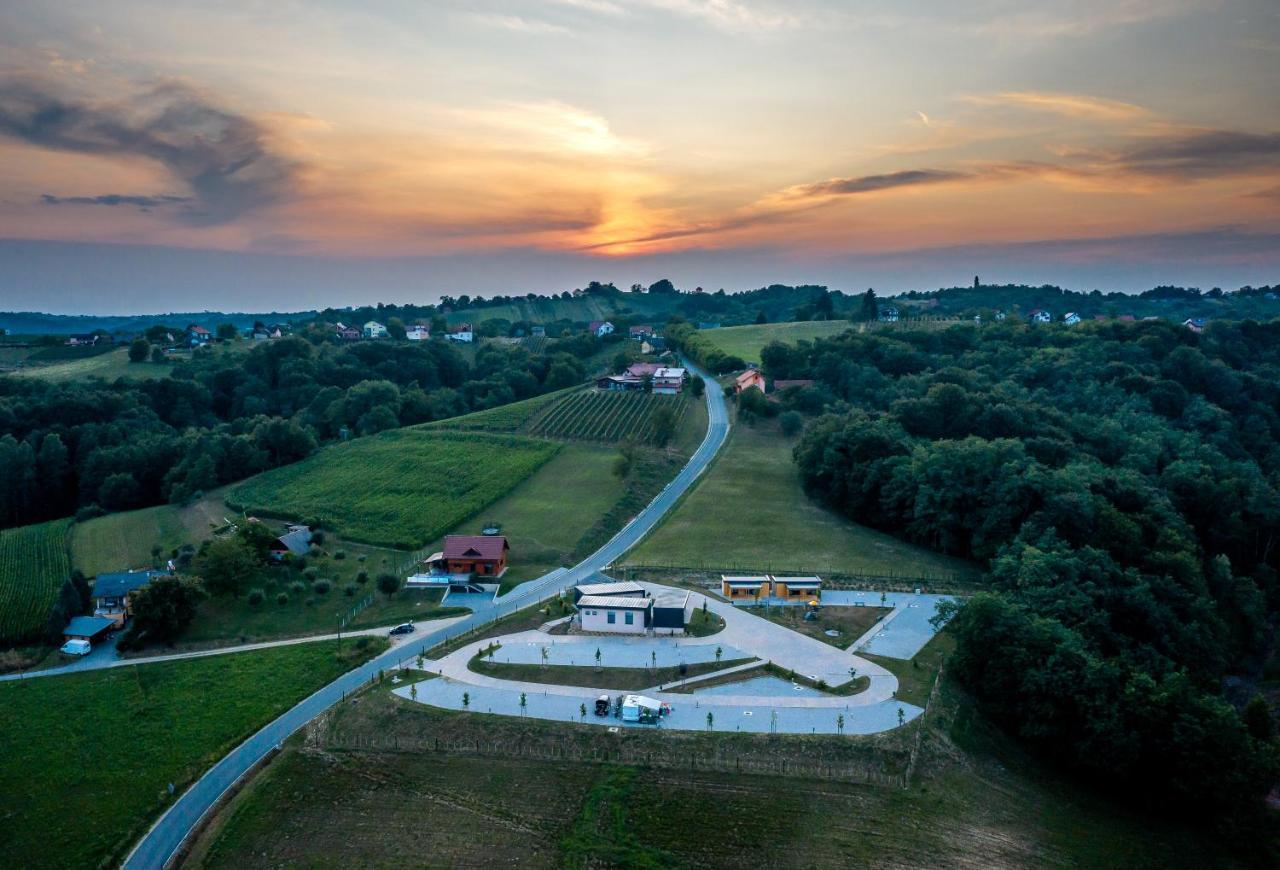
pixel 144 202
pixel 1203 154
pixel 224 158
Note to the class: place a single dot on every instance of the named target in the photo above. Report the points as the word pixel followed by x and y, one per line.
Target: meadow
pixel 749 511
pixel 746 342
pixel 33 565
pixel 402 488
pixel 504 418
pixel 108 366
pixel 89 757
pixel 607 417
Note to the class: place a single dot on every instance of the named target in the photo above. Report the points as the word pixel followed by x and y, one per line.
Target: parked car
pixel 404 628
pixel 77 646
pixel 602 705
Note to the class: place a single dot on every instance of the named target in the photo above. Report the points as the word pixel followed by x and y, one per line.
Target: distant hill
pixel 37 323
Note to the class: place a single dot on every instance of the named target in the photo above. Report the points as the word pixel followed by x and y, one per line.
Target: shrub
pixel 388 584
pixel 791 423
pixel 311 573
pixel 88 512
pixel 255 597
pixel 363 577
pixel 349 590
pixel 310 602
pixel 317 537
pixel 362 557
pixel 321 587
pixel 297 587
pixel 282 599
pixel 315 551
pixel 339 554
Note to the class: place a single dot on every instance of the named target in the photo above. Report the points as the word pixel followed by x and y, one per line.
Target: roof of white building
pixel 621 602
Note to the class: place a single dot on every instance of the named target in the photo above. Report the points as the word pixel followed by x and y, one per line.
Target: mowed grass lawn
pixel 118 542
pixel 750 511
pixel 747 341
pixel 546 516
pixel 87 758
pixel 397 489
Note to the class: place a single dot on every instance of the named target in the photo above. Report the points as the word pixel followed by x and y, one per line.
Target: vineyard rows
pixel 504 418
pixel 34 562
pixel 606 416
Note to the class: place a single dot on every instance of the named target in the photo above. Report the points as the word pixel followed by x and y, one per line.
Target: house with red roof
pixel 748 379
pixel 481 555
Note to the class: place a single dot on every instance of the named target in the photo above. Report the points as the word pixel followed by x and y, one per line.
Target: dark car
pixel 405 628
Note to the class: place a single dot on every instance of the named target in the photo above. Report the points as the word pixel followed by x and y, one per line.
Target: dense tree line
pixel 91 446
pixel 1120 483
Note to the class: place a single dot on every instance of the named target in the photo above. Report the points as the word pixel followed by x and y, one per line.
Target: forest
pixel 87 447
pixel 1118 482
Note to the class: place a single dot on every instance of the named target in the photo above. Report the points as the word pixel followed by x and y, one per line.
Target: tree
pixel 697 386
pixel 68 604
pixel 582 712
pixel 226 565
pixel 1257 719
pixel 162 610
pixel 524 702
pixel 466 700
pixel 139 350
pixel 54 474
pixel 119 492
pixel 597 658
pixel 761 317
pixel 711 720
pixel 626 460
pixel 791 423
pixel 228 332
pixel 395 329
pixel 388 584
pixel 719 653
pixel 157 354
pixel 868 308
pixel 840 724
pixel 664 425
pixel 902 716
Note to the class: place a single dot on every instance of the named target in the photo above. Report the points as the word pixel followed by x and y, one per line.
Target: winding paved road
pixel 160 843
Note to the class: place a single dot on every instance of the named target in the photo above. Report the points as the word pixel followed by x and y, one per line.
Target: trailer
pixel 642 709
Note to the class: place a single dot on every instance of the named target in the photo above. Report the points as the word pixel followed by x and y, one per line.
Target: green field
pixel 33 565
pixel 88 757
pixel 974 801
pixel 505 418
pixel 607 417
pixel 397 489
pixel 546 516
pixel 749 511
pixel 107 366
pixel 121 541
pixel 747 341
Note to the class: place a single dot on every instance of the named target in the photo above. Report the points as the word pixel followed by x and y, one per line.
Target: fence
pixel 952 583
pixel 662 759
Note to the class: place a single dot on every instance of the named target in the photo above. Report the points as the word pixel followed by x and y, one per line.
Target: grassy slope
pixel 974 802
pixel 33 566
pixel 747 341
pixel 108 366
pixel 504 418
pixel 750 510
pixel 118 542
pixel 399 488
pixel 546 516
pixel 91 754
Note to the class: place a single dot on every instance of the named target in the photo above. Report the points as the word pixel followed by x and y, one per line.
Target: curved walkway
pixel 160 843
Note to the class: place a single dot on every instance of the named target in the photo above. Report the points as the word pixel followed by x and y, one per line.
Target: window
pixel 613 617
pixel 631 617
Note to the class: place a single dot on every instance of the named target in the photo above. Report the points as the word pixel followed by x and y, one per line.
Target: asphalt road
pixel 160 843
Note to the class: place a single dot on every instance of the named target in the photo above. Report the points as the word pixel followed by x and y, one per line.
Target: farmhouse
pixel 1039 315
pixel 1071 318
pixel 482 555
pixel 1195 324
pixel 374 329
pixel 347 333
pixel 640 332
pixel 624 588
pixel 639 370
pixel 462 332
pixel 417 332
pixel 111 593
pixel 615 614
pixel 82 339
pixel 748 379
pixel 294 542
pixel 90 628
pixel 653 344
pixel 600 328
pixel 620 383
pixel 537 332
pixel 888 314
pixel 668 382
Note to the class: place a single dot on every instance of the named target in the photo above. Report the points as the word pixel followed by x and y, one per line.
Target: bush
pixel 317 537
pixel 349 590
pixel 315 551
pixel 363 577
pixel 339 554
pixel 310 602
pixel 255 597
pixel 362 557
pixel 311 573
pixel 88 512
pixel 388 584
pixel 321 587
pixel 791 423
pixel 282 599
pixel 297 587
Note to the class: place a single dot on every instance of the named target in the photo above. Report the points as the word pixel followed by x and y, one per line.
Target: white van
pixel 77 646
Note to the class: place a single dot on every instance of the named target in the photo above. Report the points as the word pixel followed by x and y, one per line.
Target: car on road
pixel 404 628
pixel 75 647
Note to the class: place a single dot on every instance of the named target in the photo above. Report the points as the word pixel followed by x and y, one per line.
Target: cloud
pixel 1202 154
pixel 224 158
pixel 1068 105
pixel 113 199
pixel 522 25
pixel 873 183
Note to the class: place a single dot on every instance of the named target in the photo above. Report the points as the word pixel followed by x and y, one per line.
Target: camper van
pixel 77 646
pixel 638 708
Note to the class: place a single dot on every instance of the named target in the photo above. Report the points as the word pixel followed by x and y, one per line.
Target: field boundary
pixel 832 580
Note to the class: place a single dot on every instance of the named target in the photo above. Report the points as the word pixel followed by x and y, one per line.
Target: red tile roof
pixel 780 385
pixel 639 370
pixel 474 546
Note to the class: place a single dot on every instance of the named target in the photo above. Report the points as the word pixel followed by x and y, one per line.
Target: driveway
pixel 158 845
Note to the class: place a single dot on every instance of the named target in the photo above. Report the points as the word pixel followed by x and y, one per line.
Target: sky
pixel 162 155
